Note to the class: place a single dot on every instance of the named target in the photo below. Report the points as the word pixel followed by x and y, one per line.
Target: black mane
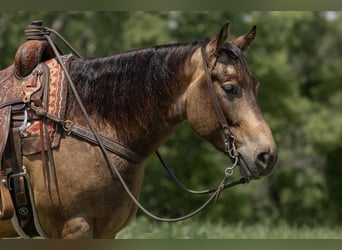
pixel 131 88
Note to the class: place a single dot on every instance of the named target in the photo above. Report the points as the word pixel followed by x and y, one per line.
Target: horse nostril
pixel 263 157
pixel 265 162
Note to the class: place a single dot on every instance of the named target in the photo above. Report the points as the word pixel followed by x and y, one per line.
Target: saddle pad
pixel 56 107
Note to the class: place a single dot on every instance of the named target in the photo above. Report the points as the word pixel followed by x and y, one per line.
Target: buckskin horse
pixel 137 99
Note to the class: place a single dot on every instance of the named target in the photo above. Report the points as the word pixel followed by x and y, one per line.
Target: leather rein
pixel 107 144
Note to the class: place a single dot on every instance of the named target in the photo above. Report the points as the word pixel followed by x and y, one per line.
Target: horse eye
pixel 229 88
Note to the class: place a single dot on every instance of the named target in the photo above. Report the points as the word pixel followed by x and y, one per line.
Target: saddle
pixel 34 77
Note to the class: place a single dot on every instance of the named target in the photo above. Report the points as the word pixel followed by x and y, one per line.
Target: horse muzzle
pixel 255 165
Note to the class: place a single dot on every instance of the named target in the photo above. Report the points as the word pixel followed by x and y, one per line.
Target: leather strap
pixel 5 119
pixel 229 138
pixel 19 193
pixel 88 135
pixel 214 96
pixel 15 143
pixel 108 143
pixel 6 204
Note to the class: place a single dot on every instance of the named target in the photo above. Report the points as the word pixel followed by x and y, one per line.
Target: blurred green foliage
pixel 142 228
pixel 297 57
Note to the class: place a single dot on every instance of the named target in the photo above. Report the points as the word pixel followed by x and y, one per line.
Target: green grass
pixel 144 228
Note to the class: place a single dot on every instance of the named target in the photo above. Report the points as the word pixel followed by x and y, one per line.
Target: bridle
pixel 229 140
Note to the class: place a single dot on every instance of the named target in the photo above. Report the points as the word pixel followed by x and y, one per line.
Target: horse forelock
pixel 132 88
pixel 238 60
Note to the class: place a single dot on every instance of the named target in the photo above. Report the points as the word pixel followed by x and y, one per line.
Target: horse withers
pixel 138 98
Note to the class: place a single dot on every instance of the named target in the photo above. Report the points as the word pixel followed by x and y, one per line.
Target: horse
pixel 138 98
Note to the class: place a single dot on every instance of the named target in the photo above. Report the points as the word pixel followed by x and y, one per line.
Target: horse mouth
pixel 246 169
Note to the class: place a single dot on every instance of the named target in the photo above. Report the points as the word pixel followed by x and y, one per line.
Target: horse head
pixel 235 88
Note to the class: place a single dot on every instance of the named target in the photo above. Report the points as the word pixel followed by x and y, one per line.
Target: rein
pixel 38 32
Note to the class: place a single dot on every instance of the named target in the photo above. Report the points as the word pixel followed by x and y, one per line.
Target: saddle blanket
pixel 56 107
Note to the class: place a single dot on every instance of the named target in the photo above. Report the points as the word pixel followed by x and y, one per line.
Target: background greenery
pixel 297 57
pixel 142 228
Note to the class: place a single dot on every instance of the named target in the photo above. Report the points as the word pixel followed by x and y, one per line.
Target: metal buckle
pixel 67 126
pixel 23 173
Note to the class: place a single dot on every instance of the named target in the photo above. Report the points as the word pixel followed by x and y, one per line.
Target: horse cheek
pixel 201 114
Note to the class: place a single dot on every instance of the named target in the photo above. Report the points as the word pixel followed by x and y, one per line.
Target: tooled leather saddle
pixel 35 76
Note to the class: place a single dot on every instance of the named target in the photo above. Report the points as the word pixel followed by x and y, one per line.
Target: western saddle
pixel 23 84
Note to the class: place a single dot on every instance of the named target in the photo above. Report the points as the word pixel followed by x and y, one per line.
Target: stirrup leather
pixel 6 204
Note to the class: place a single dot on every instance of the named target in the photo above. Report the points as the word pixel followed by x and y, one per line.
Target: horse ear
pixel 244 41
pixel 217 41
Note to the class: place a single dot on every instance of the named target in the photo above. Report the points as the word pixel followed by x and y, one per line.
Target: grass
pixel 144 228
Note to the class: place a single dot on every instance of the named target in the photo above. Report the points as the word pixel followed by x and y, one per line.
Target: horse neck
pixel 136 97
